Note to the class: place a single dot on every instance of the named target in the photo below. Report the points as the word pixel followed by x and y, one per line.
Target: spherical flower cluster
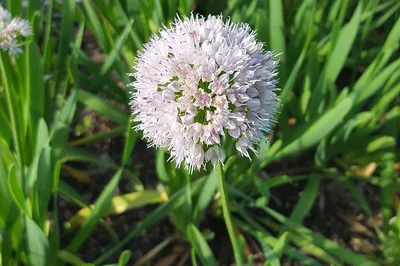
pixel 10 31
pixel 199 82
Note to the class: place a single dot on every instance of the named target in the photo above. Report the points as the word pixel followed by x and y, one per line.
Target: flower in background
pixel 11 30
pixel 201 81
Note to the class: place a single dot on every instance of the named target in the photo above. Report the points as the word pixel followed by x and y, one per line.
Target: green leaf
pixel 378 82
pixel 290 82
pixel 70 193
pixel 4 192
pixel 381 143
pixel 266 241
pixel 277 29
pixel 112 133
pixel 124 258
pixel 306 201
pixel 36 82
pixel 271 259
pixel 100 207
pixel 312 134
pixel 262 188
pixel 42 137
pixel 102 107
pixel 66 256
pixel 37 245
pixel 387 161
pixel 343 46
pixel 200 245
pixel 54 234
pixel 80 155
pixel 130 141
pixel 96 25
pixel 329 246
pixel 44 183
pixel 67 112
pixel 5 129
pixel 280 245
pixel 174 202
pixel 161 169
pixel 15 7
pixel 117 49
pixel 389 47
pixel 16 189
pixel 66 35
pixel 206 196
pixel 335 62
pixel 120 204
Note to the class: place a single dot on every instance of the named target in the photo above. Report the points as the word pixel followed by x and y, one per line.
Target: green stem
pixel 193 256
pixel 12 113
pixel 227 217
pixel 188 195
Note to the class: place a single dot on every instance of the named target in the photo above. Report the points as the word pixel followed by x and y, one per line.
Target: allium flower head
pixel 11 29
pixel 201 81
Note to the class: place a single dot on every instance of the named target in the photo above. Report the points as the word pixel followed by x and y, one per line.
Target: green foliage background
pixel 340 85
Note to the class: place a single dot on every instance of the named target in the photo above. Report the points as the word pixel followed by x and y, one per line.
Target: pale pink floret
pixel 11 29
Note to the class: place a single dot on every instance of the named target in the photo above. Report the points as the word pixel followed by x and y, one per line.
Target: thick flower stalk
pixel 201 81
pixel 11 32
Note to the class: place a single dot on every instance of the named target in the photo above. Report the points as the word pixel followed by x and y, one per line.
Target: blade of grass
pixel 37 245
pixel 388 175
pixel 100 207
pixel 277 33
pixel 200 245
pixel 75 154
pixel 113 55
pixel 306 201
pixel 253 227
pixel 121 204
pixel 54 235
pixel 102 107
pixel 68 11
pixel 15 189
pixel 378 82
pixel 161 169
pixel 5 129
pixel 206 196
pixel 307 246
pixel 69 257
pixel 130 141
pixel 174 202
pixel 47 37
pixel 35 84
pixel 71 194
pixel 44 184
pixel 114 132
pixel 124 258
pixel 96 24
pixel 328 245
pixel 9 91
pixel 280 245
pixel 313 133
pixel 271 259
pixel 389 47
